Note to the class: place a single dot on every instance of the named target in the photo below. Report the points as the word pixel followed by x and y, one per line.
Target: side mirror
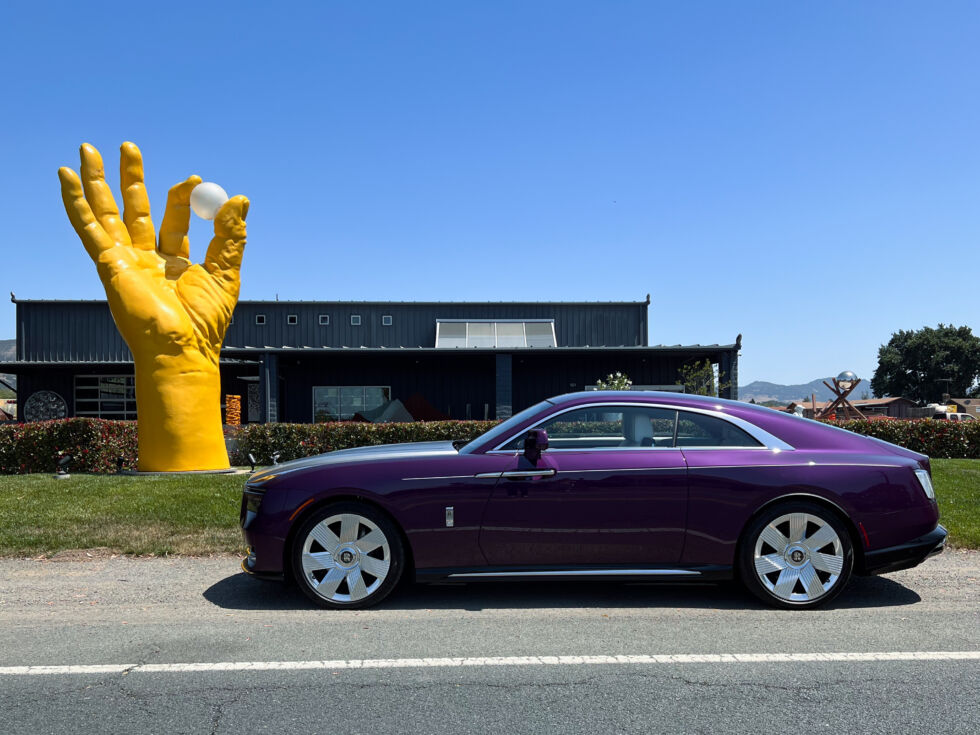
pixel 535 443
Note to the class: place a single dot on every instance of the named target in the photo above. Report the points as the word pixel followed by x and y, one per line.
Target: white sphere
pixel 207 198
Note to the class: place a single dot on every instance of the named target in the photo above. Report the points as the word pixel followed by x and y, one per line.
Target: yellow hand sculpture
pixel 172 314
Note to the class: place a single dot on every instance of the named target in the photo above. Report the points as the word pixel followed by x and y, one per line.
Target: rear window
pixel 698 430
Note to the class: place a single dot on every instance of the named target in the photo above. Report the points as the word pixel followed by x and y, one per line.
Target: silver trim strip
pixel 530 473
pixel 584 573
pixel 768 440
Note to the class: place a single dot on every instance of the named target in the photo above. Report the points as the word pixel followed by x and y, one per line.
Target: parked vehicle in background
pixel 614 485
pixel 941 412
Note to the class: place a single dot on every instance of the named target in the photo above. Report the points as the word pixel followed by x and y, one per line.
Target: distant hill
pixel 761 391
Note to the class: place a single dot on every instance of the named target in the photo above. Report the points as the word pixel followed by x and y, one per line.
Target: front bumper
pixel 907 555
pixel 248 566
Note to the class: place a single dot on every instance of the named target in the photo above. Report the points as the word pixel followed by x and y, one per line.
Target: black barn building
pixel 303 361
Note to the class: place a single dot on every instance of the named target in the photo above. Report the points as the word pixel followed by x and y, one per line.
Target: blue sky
pixel 807 175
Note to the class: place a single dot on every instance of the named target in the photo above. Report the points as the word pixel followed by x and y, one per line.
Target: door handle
pixel 527 474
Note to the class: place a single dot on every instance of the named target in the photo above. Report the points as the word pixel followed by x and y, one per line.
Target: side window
pixel 607 427
pixel 698 430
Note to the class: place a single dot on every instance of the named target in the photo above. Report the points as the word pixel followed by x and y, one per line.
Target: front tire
pixel 795 555
pixel 347 555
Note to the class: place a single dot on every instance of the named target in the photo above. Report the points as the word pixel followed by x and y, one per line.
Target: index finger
pixel 136 204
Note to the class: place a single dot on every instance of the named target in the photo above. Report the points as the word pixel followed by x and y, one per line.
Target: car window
pixel 699 430
pixel 607 427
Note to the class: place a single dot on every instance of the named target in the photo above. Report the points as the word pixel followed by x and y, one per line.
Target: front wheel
pixel 347 555
pixel 796 555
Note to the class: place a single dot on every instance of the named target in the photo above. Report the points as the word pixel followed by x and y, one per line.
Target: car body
pixel 630 485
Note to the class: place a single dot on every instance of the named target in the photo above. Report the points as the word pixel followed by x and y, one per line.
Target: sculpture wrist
pixel 179 413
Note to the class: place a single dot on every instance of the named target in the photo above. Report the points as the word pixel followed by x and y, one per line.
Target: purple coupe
pixel 601 485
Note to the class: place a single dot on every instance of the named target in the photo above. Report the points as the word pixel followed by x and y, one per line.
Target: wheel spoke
pixel 370 541
pixel 330 582
pixel 315 561
pixel 821 538
pixel 827 562
pixel 772 536
pixel 769 564
pixel 377 568
pixel 786 582
pixel 348 528
pixel 814 587
pixel 797 526
pixel 355 584
pixel 325 537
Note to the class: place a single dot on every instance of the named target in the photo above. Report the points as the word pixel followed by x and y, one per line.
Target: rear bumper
pixel 907 555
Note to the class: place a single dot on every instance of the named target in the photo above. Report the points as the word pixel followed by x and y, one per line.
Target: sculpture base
pixel 229 471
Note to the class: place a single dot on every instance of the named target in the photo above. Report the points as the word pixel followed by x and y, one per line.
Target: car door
pixel 609 490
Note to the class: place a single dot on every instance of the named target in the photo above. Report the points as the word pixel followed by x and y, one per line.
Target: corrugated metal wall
pixel 85 331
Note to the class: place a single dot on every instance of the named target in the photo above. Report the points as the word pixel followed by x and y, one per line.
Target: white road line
pixel 429 663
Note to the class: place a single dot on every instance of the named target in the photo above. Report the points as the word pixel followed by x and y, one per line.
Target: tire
pixel 796 555
pixel 347 555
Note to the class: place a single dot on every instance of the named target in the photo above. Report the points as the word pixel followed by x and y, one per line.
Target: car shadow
pixel 242 592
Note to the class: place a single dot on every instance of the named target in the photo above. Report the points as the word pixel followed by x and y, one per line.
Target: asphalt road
pixel 138 614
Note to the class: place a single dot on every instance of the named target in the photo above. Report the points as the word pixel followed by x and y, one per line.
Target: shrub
pixel 94 445
pixel 303 440
pixel 936 438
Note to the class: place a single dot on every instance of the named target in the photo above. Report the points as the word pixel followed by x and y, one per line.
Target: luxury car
pixel 652 486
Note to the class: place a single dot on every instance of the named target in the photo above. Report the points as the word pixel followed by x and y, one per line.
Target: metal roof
pixel 84 331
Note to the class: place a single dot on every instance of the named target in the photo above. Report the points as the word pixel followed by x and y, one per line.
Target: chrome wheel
pixel 345 558
pixel 799 557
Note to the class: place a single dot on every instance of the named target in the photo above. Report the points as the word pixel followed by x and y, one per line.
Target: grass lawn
pixel 957 484
pixel 153 514
pixel 198 514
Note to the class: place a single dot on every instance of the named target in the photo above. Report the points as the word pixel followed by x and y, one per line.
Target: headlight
pixel 926 483
pixel 251 502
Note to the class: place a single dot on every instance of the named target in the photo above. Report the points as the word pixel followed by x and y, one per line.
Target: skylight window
pixel 495 334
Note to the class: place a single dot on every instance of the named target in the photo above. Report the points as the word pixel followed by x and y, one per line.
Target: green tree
pixel 699 378
pixel 917 364
pixel 614 381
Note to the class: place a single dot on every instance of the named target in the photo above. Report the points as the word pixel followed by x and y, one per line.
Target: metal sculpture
pixel 173 314
pixel 844 385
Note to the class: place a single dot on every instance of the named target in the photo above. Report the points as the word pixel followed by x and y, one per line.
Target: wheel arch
pixel 857 545
pixel 348 495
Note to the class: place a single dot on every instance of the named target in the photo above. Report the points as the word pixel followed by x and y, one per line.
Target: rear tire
pixel 347 555
pixel 796 555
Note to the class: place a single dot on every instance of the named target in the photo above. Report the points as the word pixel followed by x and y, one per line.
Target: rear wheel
pixel 347 555
pixel 796 554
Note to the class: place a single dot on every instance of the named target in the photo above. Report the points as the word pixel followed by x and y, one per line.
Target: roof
pixel 263 302
pixel 861 402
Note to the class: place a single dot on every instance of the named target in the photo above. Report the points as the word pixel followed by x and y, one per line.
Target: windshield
pixel 502 430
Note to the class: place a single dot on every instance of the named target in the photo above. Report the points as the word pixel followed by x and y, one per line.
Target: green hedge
pixel 94 445
pixel 302 440
pixel 949 439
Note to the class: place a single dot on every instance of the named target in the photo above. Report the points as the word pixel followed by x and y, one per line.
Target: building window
pixel 344 402
pixel 292 319
pixel 355 320
pixel 324 320
pixel 496 334
pixel 386 320
pixel 105 396
pixel 260 319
